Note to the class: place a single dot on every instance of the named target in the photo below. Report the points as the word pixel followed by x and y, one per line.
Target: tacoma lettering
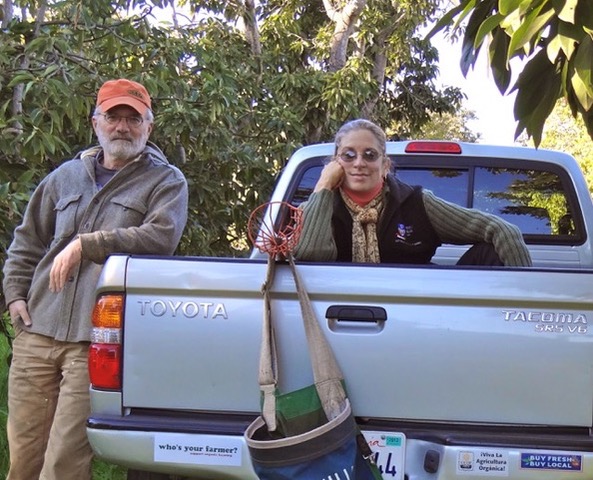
pixel 544 317
pixel 161 308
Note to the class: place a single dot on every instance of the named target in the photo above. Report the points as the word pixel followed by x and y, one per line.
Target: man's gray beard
pixel 122 149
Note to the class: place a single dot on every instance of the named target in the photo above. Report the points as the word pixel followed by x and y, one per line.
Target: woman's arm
pixel 316 242
pixel 459 225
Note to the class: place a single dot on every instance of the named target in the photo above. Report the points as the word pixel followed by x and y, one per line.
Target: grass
pixel 4 353
pixel 101 470
pixel 107 471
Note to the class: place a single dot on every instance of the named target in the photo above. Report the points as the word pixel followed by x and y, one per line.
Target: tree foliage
pixel 236 85
pixel 565 133
pixel 553 37
pixel 451 126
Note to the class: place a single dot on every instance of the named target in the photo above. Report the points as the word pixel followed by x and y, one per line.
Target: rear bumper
pixel 153 442
pixel 163 444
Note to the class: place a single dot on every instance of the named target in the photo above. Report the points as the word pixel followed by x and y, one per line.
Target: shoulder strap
pixel 268 360
pixel 326 372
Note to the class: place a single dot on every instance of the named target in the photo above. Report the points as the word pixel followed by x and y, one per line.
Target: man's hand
pixel 331 176
pixel 17 309
pixel 64 264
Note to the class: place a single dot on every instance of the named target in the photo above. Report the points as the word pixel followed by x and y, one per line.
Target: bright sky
pixel 494 111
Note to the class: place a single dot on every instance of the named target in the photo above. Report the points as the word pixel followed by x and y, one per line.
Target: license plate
pixel 389 453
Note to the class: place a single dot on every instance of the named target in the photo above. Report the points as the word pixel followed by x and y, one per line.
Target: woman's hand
pixel 331 177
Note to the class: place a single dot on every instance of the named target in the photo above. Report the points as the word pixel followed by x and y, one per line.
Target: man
pixel 120 197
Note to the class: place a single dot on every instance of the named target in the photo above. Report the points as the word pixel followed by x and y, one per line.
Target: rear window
pixel 534 199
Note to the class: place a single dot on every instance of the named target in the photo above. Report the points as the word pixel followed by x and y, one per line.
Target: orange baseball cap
pixel 123 92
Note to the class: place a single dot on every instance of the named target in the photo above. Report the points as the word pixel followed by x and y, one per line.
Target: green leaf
pixel 28 87
pixel 512 21
pixel 447 19
pixel 487 26
pixel 570 36
pixel 584 14
pixel 499 64
pixel 530 28
pixel 565 9
pixel 50 70
pixel 21 78
pixel 588 120
pixel 468 6
pixel 26 177
pixel 38 45
pixel 554 45
pixel 571 99
pixel 507 6
pixel 583 69
pixel 538 87
pixel 565 38
pixel 469 53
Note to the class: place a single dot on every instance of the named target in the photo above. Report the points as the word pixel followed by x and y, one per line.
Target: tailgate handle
pixel 356 313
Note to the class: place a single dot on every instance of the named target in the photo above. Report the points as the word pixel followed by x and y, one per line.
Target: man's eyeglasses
pixel 115 119
pixel 368 155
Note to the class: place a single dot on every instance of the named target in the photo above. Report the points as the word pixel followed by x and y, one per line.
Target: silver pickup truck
pixel 453 372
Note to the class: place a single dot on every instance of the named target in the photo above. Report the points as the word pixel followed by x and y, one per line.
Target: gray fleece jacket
pixel 141 210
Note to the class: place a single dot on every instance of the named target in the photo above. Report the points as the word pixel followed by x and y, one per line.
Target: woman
pixel 358 212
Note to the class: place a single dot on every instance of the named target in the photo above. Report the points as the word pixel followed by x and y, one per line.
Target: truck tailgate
pixel 491 345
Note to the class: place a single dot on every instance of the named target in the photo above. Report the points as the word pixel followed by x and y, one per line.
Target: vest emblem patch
pixel 404 232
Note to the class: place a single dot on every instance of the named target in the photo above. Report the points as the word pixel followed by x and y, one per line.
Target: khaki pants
pixel 48 404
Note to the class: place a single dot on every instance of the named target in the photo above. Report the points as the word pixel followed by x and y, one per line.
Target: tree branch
pixel 380 64
pixel 251 28
pixel 345 22
pixel 7 13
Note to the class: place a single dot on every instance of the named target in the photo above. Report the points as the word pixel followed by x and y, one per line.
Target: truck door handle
pixel 356 313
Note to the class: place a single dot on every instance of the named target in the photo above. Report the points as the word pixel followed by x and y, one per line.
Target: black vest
pixel 405 233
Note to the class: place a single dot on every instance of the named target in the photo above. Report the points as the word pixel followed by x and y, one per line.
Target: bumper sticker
pixel 544 461
pixel 197 449
pixel 483 462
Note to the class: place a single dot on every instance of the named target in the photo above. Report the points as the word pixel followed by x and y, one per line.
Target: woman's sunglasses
pixel 368 155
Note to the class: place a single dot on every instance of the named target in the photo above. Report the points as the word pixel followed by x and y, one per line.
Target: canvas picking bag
pixel 310 433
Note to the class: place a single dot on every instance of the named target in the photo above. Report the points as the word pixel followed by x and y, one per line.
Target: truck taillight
pixel 105 350
pixel 433 146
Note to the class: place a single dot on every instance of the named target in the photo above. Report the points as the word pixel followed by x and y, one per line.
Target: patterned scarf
pixel 365 246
